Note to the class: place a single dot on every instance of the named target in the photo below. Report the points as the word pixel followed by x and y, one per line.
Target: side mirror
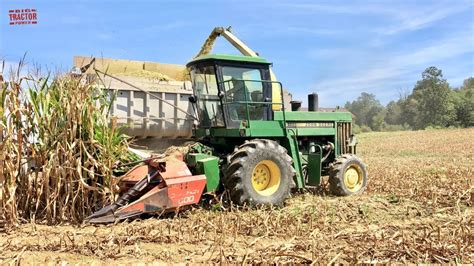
pixel 220 94
pixel 192 99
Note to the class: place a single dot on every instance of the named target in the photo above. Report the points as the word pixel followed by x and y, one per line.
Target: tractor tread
pixel 237 169
pixel 336 172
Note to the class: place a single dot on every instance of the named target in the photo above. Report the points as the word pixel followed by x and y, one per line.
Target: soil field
pixel 418 208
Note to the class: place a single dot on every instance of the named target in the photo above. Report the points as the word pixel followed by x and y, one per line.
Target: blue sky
pixel 336 48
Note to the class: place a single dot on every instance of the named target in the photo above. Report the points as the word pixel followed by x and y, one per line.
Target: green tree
pixel 433 101
pixel 378 120
pixel 410 114
pixel 464 103
pixel 365 108
pixel 394 113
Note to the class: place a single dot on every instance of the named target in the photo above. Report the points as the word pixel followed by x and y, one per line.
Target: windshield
pixel 209 105
pixel 250 76
pixel 244 94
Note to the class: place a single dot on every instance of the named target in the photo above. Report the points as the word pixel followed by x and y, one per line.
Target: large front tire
pixel 347 176
pixel 259 172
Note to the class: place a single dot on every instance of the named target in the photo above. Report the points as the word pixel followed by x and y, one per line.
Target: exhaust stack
pixel 313 105
pixel 295 105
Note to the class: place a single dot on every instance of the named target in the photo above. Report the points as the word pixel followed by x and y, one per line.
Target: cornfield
pixel 418 207
pixel 57 149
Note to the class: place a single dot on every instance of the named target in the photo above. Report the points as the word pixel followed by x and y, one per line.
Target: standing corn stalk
pixel 2 154
pixel 58 149
pixel 10 148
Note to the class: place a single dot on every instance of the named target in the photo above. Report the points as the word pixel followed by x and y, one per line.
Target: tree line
pixel 431 104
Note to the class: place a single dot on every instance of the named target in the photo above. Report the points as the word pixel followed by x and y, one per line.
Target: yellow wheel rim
pixel 353 178
pixel 266 177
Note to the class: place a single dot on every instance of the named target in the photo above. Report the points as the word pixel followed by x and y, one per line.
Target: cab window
pixel 243 93
pixel 209 104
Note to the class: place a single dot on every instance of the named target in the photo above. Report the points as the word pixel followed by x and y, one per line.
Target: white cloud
pixel 329 53
pixel 419 18
pixel 346 8
pixel 401 16
pixel 397 68
pixel 306 30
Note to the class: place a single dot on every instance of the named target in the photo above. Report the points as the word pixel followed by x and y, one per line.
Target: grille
pixel 344 132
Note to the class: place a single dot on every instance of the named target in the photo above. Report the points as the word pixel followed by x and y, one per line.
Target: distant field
pixel 418 208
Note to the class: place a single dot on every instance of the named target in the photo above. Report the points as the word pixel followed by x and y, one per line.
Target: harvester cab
pixel 229 90
pixel 248 143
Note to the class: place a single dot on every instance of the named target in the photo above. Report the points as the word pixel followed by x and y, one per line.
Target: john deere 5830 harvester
pixel 248 144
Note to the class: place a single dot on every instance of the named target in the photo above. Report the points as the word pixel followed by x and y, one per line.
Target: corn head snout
pixel 153 187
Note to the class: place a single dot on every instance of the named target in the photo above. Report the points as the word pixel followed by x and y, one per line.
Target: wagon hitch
pixel 154 187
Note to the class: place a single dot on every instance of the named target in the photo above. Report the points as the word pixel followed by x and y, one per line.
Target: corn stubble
pixel 57 149
pixel 417 207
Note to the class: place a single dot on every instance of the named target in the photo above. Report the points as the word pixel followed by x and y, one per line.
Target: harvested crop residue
pixel 146 74
pixel 183 149
pixel 177 152
pixel 417 208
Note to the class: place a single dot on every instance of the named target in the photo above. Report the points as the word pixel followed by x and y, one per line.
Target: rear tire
pixel 259 172
pixel 347 176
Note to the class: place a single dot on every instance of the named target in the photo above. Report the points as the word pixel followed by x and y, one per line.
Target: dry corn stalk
pixel 58 149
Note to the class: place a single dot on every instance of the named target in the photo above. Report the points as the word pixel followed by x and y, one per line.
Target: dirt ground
pixel 418 208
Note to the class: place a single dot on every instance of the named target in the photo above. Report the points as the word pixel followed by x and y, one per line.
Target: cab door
pixel 246 95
